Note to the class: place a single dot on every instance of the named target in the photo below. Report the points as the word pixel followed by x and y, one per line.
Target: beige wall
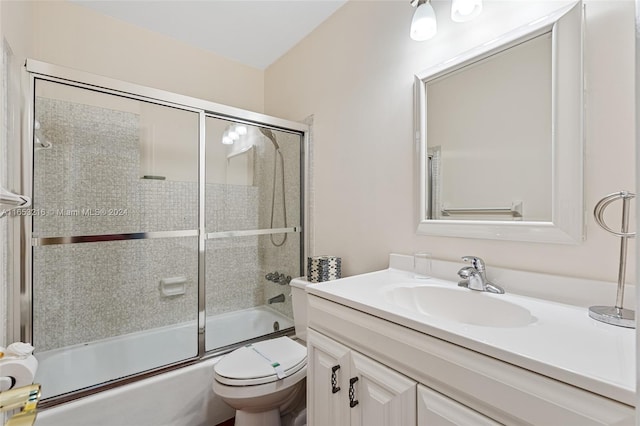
pixel 15 24
pixel 355 75
pixel 77 37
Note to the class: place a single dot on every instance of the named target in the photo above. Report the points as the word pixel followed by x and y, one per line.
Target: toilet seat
pixel 257 363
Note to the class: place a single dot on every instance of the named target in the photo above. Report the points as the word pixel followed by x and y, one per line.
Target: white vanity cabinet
pixel 348 388
pixel 408 377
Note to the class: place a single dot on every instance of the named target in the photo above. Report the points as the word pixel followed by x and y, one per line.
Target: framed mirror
pixel 499 136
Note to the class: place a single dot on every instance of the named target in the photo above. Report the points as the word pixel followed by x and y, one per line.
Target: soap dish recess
pixel 174 286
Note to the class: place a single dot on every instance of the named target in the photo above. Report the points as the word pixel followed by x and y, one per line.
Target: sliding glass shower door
pixel 253 196
pixel 163 229
pixel 114 235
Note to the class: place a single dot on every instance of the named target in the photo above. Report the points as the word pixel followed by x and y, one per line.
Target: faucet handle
pixel 476 262
pixel 466 271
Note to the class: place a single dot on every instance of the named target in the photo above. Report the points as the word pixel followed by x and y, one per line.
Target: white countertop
pixel 563 342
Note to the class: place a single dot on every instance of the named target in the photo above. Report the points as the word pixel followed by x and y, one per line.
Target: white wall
pixel 355 75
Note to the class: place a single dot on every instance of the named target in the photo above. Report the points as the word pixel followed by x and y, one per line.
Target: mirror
pixel 499 136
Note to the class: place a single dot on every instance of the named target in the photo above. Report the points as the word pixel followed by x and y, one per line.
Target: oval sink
pixel 461 305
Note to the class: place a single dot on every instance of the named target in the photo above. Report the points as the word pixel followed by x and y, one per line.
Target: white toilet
pixel 265 380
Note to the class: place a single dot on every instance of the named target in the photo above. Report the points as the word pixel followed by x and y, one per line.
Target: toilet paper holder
pixel 25 399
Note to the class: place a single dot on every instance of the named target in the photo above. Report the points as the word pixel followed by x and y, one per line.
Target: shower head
pixel 269 134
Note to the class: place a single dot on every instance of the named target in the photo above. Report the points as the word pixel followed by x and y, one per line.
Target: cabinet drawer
pixel 435 409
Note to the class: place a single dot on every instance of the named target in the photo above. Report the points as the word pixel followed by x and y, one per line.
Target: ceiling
pixel 253 32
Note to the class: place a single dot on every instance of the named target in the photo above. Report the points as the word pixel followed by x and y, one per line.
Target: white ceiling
pixel 253 32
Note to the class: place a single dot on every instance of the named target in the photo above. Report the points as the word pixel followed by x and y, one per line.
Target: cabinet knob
pixel 334 379
pixel 352 392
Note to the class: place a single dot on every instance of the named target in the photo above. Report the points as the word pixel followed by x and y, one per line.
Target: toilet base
pixel 265 418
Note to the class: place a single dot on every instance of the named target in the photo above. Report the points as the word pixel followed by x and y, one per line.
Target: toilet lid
pixel 261 362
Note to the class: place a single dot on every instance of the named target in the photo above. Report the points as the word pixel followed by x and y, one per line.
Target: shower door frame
pixel 20 318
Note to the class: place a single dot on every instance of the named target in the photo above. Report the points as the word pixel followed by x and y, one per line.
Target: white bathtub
pixel 76 367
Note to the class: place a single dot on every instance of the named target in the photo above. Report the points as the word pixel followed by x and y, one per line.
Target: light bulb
pixel 465 10
pixel 226 140
pixel 241 130
pixel 424 25
pixel 233 135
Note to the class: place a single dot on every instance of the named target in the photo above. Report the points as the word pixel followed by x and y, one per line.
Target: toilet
pixel 265 381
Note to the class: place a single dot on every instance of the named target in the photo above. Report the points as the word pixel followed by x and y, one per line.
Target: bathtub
pixel 67 369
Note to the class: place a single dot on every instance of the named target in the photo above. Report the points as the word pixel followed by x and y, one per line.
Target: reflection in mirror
pixel 489 137
pixel 501 136
pixel 230 152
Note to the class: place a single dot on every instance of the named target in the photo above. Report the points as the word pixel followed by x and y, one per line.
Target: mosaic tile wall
pixel 93 166
pixel 86 292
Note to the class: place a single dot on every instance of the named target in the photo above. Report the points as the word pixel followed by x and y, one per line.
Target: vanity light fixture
pixel 423 24
pixel 233 133
pixel 226 140
pixel 465 10
pixel 229 137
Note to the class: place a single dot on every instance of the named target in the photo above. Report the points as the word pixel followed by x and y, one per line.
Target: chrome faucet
pixel 474 278
pixel 277 299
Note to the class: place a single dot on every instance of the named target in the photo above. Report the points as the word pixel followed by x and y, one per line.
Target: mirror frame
pixel 567 221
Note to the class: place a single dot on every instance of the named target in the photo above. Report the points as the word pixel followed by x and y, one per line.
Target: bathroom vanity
pixel 385 348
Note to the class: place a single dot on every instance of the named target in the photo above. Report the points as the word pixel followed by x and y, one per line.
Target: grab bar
pixel 11 200
pixel 515 210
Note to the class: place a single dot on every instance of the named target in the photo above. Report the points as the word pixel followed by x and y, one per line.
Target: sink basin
pixel 461 305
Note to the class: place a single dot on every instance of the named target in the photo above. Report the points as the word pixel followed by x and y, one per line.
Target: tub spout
pixel 277 299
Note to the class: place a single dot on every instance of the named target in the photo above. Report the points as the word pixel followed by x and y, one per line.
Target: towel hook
pixel 616 315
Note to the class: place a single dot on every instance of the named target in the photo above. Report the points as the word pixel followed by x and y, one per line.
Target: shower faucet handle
pixel 278 278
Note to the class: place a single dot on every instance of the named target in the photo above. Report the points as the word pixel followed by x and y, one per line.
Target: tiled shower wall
pixel 90 291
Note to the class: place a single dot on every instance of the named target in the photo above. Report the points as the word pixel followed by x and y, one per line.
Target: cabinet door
pixel 380 396
pixel 435 409
pixel 328 370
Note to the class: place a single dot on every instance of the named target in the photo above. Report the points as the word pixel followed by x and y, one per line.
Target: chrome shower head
pixel 269 134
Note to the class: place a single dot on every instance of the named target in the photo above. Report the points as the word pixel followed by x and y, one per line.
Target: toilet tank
pixel 299 301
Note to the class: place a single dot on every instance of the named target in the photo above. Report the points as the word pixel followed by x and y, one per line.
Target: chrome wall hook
pixel 616 315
